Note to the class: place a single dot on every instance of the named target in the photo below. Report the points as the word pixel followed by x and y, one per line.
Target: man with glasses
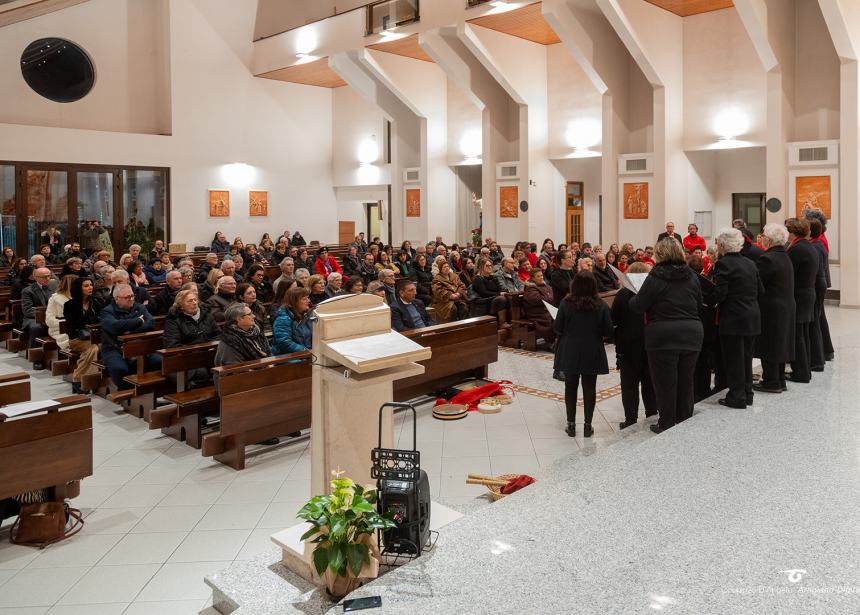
pixel 123 316
pixel 36 295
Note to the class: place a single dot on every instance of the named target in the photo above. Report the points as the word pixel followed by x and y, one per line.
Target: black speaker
pixel 404 490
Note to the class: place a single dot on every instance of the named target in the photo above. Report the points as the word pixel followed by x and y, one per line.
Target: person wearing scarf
pixel 241 340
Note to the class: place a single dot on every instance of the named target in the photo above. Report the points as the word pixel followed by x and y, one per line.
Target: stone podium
pixel 358 359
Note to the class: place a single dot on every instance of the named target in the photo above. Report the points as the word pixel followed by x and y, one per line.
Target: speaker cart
pixel 404 489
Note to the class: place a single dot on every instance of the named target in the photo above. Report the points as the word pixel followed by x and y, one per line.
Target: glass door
pixel 46 202
pixel 7 207
pixel 144 208
pixel 95 210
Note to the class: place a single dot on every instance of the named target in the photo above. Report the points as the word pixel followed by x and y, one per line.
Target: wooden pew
pixel 181 419
pixel 461 349
pixel 5 314
pixel 258 400
pixel 147 384
pixel 522 331
pixel 14 388
pixel 50 448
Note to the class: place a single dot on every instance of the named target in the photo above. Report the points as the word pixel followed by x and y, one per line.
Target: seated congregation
pixel 159 327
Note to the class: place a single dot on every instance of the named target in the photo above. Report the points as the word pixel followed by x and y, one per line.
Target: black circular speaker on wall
pixel 773 205
pixel 58 69
pixel 524 205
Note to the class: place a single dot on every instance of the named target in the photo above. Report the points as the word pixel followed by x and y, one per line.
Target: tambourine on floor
pixel 493 483
pixel 450 412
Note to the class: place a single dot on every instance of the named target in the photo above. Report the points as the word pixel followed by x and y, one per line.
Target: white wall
pixel 355 120
pixel 587 171
pixel 714 175
pixel 721 72
pixel 125 40
pixel 816 86
pixel 573 102
pixel 220 114
pixel 464 118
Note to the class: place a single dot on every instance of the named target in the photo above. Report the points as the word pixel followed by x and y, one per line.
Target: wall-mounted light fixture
pixel 583 134
pixel 238 174
pixel 471 146
pixel 730 123
pixel 368 151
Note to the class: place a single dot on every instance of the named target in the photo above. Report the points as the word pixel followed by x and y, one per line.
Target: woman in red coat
pixel 693 240
pixel 325 264
pixel 535 293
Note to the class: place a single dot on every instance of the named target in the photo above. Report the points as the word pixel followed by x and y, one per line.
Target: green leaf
pixel 321 556
pixel 309 533
pixel 358 556
pixel 336 559
pixel 362 506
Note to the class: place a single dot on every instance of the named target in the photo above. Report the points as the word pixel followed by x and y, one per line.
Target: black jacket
pixel 77 319
pixel 670 299
pixel 629 325
pixel 560 282
pixel 580 339
pixel 423 279
pixel 32 297
pixel 606 279
pixel 402 321
pixel 822 280
pixel 163 301
pixel 219 303
pixel 117 321
pixel 775 343
pixel 486 288
pixel 180 329
pixel 738 289
pixel 664 235
pixel 805 261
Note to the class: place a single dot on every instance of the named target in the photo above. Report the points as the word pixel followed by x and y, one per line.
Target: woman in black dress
pixel 805 262
pixel 670 299
pixel 583 320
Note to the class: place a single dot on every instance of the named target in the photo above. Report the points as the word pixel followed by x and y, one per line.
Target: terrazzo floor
pixel 159 517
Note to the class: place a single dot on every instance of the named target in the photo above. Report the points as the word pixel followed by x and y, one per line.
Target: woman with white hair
pixel 737 290
pixel 775 344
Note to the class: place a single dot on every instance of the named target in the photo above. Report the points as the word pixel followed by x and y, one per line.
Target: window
pixel 100 206
pixel 58 69
pixel 389 14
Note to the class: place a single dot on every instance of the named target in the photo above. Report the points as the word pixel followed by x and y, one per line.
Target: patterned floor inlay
pixel 601 395
pixel 544 356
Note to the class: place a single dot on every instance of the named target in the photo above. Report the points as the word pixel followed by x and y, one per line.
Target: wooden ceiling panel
pixel 685 8
pixel 407 46
pixel 526 22
pixel 315 73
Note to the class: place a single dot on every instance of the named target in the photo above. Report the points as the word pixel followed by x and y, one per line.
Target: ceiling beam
pixel 22 10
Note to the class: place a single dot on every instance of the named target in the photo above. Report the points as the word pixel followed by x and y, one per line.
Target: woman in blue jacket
pixel 291 330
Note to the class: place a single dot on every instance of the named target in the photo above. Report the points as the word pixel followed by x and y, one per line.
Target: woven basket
pixel 495 490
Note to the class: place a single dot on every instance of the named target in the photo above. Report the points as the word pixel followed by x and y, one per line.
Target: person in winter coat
pixel 188 322
pixel 775 344
pixel 247 294
pixel 631 356
pixel 223 298
pixel 490 299
pixel 154 271
pixel 54 311
pixel 124 315
pixel 822 283
pixel 670 298
pixel 220 245
pixel 805 262
pixel 241 339
pixel 737 292
pixel 536 292
pixel 583 320
pixel 422 275
pixel 291 331
pixel 164 300
pixel 79 311
pixel 449 294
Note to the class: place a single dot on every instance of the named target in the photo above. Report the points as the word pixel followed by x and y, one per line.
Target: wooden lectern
pixel 360 357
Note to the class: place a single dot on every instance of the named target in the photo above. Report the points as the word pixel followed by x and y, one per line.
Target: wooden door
pixel 346 231
pixel 574 212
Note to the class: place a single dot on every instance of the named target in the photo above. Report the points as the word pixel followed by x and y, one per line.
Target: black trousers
pixel 672 374
pixel 737 365
pixel 816 339
pixel 706 365
pixel 635 374
pixel 825 334
pixel 35 330
pixel 772 375
pixel 800 366
pixel 589 395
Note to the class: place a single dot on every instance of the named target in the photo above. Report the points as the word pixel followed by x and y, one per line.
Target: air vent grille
pixel 812 154
pixel 636 164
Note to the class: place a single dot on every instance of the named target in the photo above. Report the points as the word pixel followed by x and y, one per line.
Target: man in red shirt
pixel 693 240
pixel 648 256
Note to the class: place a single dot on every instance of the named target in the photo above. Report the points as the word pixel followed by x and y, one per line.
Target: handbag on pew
pixel 45 523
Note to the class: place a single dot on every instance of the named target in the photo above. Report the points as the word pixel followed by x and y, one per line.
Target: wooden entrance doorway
pixel 574 212
pixel 749 207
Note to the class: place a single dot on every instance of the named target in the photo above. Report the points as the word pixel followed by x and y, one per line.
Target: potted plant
pixel 343 534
